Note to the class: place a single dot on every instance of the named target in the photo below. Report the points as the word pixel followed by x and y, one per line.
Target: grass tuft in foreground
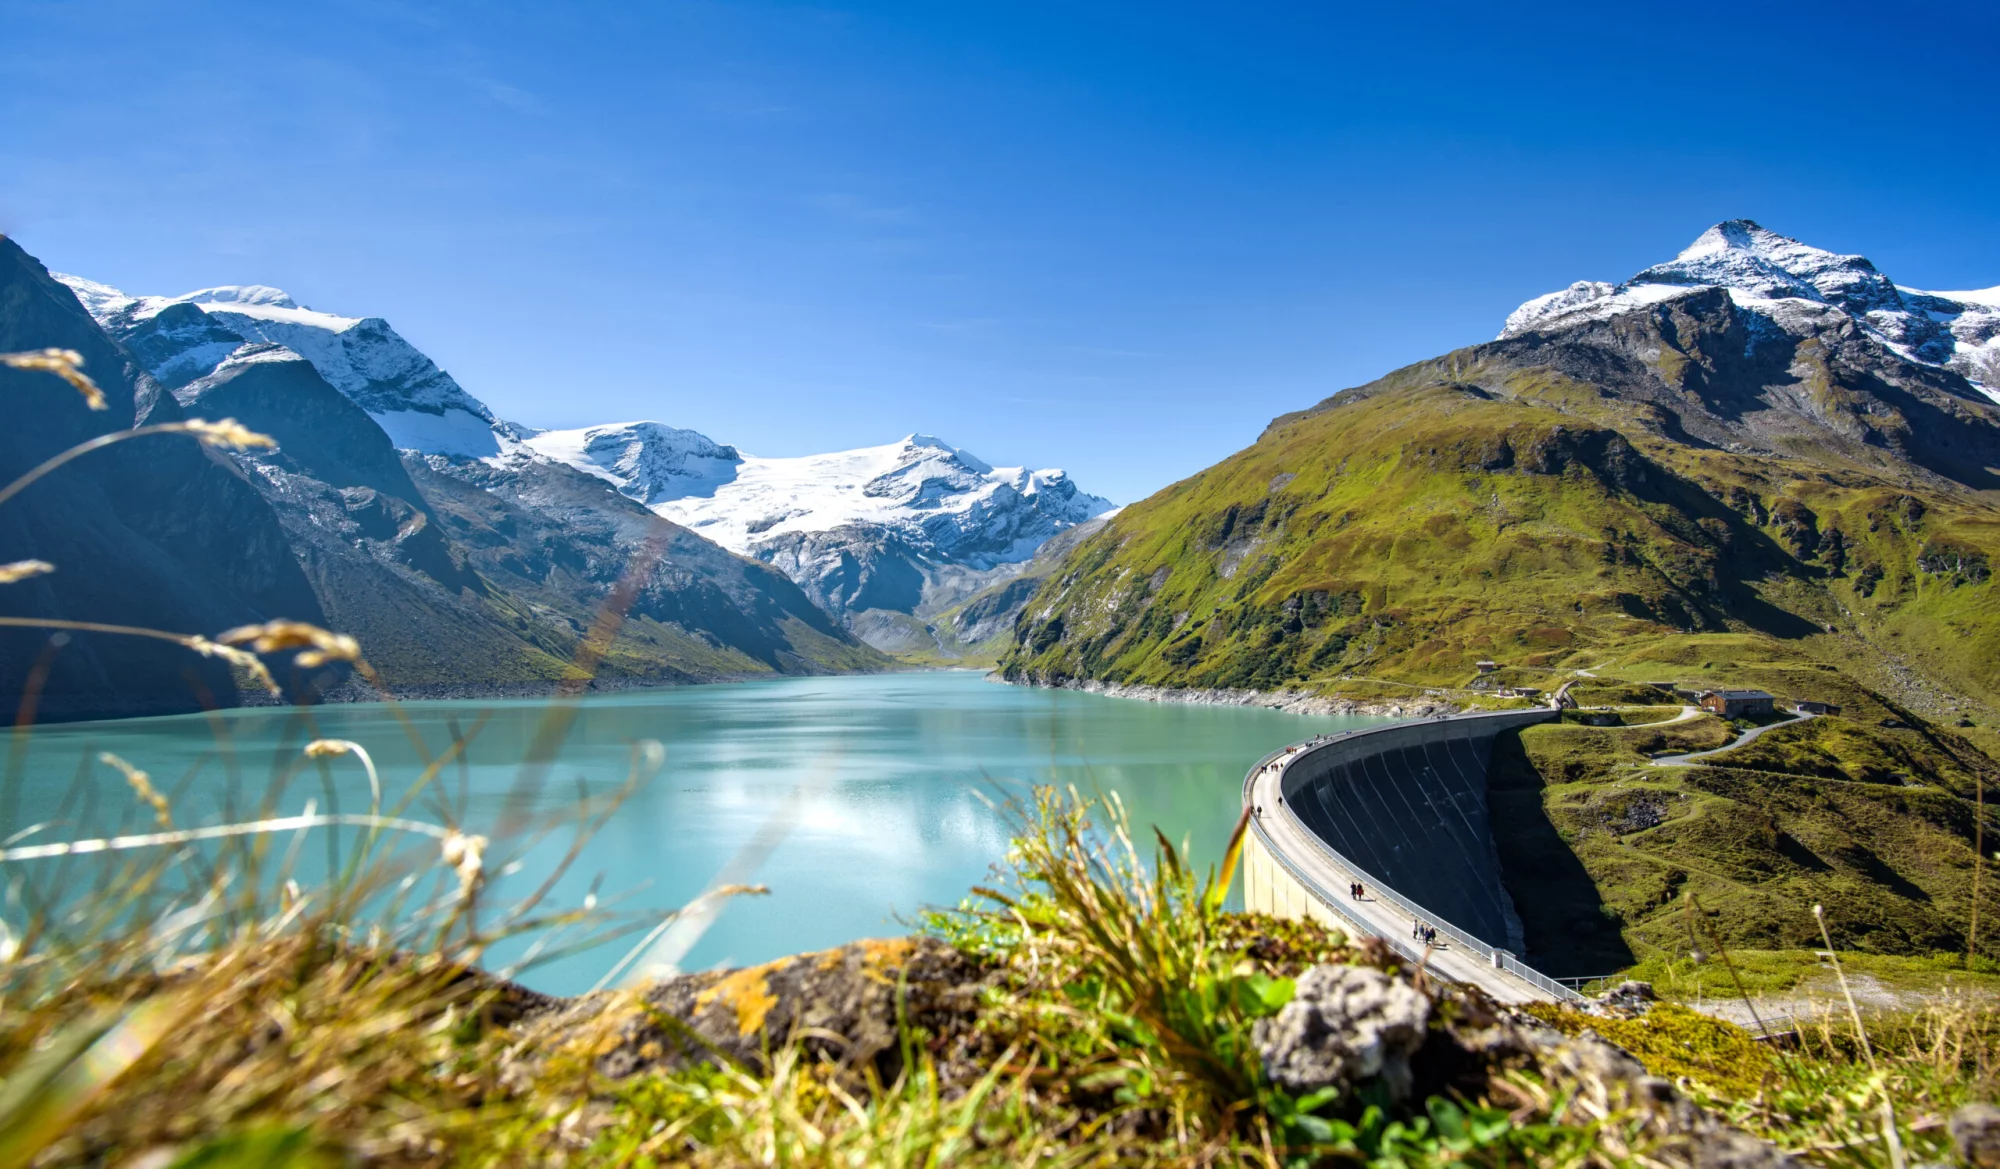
pixel 1110 1015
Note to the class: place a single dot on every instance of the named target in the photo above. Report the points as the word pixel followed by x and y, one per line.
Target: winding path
pixel 1746 737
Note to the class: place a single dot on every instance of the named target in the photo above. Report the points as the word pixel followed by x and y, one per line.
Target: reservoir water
pixel 861 800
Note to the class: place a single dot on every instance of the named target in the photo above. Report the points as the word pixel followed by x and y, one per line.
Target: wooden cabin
pixel 1737 703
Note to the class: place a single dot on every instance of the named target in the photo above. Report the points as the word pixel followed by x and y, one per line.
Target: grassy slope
pixel 1408 534
pixel 1400 533
pixel 1601 849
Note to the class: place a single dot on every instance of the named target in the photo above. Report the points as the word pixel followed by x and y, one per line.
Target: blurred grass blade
pixel 57 1083
pixel 1232 858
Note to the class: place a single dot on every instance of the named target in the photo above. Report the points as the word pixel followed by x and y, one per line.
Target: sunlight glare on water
pixel 893 776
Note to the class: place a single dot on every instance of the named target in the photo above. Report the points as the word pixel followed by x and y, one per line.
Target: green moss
pixel 1715 1057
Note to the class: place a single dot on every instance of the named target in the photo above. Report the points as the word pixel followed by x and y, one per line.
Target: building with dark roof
pixel 1737 703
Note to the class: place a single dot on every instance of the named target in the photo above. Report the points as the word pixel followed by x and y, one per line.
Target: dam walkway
pixel 1405 802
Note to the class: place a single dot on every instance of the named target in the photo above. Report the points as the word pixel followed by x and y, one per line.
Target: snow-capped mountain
pixel 1794 285
pixel 181 338
pixel 648 461
pixel 901 527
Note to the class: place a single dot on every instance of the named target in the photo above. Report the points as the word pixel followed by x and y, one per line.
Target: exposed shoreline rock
pixel 356 690
pixel 1289 701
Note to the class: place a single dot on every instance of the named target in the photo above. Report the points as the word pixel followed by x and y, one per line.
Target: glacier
pixel 907 527
pixel 937 496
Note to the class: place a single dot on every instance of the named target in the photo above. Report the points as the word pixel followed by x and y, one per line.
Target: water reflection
pixel 893 778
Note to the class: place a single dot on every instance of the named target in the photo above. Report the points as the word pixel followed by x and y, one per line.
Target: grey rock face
pixel 1975 1132
pixel 1631 995
pixel 1345 1025
pixel 1607 1079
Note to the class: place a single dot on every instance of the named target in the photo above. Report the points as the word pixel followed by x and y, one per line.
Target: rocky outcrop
pixel 1364 1029
pixel 849 1006
pixel 1344 1026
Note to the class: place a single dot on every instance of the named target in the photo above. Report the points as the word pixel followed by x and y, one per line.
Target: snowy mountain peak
pixel 895 528
pixel 1781 279
pixel 419 405
pixel 648 461
pixel 245 294
pixel 1743 256
pixel 933 495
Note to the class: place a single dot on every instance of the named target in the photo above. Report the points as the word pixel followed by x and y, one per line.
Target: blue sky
pixel 1114 238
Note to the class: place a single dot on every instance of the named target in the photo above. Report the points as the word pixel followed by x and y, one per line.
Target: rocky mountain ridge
pixel 876 535
pixel 455 585
pixel 881 537
pixel 1781 279
pixel 419 405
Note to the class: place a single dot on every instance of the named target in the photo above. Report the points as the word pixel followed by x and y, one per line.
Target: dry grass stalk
pixel 23 569
pixel 227 434
pixel 317 646
pixel 66 364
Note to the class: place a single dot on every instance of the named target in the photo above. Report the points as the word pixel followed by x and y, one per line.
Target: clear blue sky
pixel 1112 238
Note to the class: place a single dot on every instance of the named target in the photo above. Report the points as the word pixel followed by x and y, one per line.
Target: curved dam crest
pixel 1404 810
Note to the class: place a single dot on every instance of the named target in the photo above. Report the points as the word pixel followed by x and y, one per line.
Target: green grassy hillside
pixel 1601 848
pixel 1672 496
pixel 1407 530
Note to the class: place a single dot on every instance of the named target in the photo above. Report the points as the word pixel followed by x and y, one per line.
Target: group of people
pixel 1428 935
pixel 1357 891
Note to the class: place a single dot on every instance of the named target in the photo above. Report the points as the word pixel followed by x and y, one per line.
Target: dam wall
pixel 1402 809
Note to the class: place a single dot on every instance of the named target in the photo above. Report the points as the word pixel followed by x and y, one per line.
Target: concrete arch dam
pixel 1403 810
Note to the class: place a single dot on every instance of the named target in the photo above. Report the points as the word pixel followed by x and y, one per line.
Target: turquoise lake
pixel 863 799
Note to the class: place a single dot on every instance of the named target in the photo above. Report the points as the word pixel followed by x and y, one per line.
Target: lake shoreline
pixel 1288 701
pixel 355 691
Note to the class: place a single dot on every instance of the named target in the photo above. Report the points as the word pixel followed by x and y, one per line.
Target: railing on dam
pixel 1385 758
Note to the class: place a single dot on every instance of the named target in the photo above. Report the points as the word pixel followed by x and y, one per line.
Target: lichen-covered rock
pixel 1344 1025
pixel 1608 1080
pixel 1975 1131
pixel 845 1005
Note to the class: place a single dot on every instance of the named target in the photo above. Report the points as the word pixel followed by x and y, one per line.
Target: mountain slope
pixel 157 532
pixel 1783 482
pixel 882 537
pixel 449 595
pixel 1586 488
pixel 476 582
pixel 550 535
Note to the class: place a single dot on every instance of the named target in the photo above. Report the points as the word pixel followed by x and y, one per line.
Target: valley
pixel 1758 465
pixel 474 556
